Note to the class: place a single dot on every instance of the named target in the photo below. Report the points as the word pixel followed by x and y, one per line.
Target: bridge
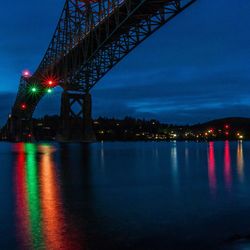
pixel 91 37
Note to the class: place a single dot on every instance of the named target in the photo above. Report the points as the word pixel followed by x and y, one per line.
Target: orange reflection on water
pixel 227 165
pixel 240 161
pixel 50 202
pixel 55 229
pixel 211 167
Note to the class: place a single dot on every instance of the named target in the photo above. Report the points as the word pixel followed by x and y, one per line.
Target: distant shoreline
pixel 133 129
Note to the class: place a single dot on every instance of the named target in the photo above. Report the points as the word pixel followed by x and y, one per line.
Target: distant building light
pixel 173 136
pixel 240 136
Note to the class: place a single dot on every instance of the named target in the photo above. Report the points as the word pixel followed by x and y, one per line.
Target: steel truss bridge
pixel 91 37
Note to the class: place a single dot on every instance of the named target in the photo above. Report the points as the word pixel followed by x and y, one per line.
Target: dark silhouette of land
pixel 131 129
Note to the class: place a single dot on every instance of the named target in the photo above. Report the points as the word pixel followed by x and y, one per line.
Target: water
pixel 135 195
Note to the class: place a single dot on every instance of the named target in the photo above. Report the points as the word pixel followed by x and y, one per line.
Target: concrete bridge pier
pixel 76 118
pixel 19 129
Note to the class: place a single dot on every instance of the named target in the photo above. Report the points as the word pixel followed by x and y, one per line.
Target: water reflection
pixel 53 217
pixel 63 199
pixel 186 154
pixel 227 165
pixel 211 167
pixel 102 156
pixel 174 164
pixel 41 218
pixel 22 211
pixel 240 161
pixel 33 195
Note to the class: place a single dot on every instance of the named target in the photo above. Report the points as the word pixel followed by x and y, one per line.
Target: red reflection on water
pixel 227 165
pixel 57 233
pixel 211 167
pixel 21 195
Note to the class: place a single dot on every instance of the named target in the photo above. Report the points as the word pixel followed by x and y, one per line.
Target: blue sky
pixel 196 68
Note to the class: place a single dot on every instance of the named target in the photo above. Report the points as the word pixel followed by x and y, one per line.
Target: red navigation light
pixel 226 126
pixel 50 82
pixel 23 106
pixel 227 133
pixel 29 135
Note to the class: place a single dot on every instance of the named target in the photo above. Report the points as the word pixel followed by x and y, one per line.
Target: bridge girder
pixel 91 39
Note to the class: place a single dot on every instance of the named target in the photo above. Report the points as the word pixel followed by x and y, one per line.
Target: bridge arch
pixel 91 37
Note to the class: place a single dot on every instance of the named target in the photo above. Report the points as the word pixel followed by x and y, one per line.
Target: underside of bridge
pixel 90 39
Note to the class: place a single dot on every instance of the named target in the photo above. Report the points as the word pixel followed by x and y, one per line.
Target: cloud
pixel 194 67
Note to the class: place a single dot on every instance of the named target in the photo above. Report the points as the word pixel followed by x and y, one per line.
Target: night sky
pixel 196 68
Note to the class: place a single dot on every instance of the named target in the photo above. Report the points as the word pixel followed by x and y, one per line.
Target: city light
pixel 240 136
pixel 49 91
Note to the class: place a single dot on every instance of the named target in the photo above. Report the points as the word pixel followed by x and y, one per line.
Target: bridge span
pixel 91 37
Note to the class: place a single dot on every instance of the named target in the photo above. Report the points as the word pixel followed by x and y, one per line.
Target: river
pixel 124 195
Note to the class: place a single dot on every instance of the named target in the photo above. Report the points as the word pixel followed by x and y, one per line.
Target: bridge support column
pixel 19 129
pixel 76 118
pixel 88 131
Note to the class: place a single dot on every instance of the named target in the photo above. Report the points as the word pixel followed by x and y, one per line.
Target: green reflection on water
pixel 33 196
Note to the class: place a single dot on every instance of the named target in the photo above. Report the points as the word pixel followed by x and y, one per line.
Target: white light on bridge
pixel 26 73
